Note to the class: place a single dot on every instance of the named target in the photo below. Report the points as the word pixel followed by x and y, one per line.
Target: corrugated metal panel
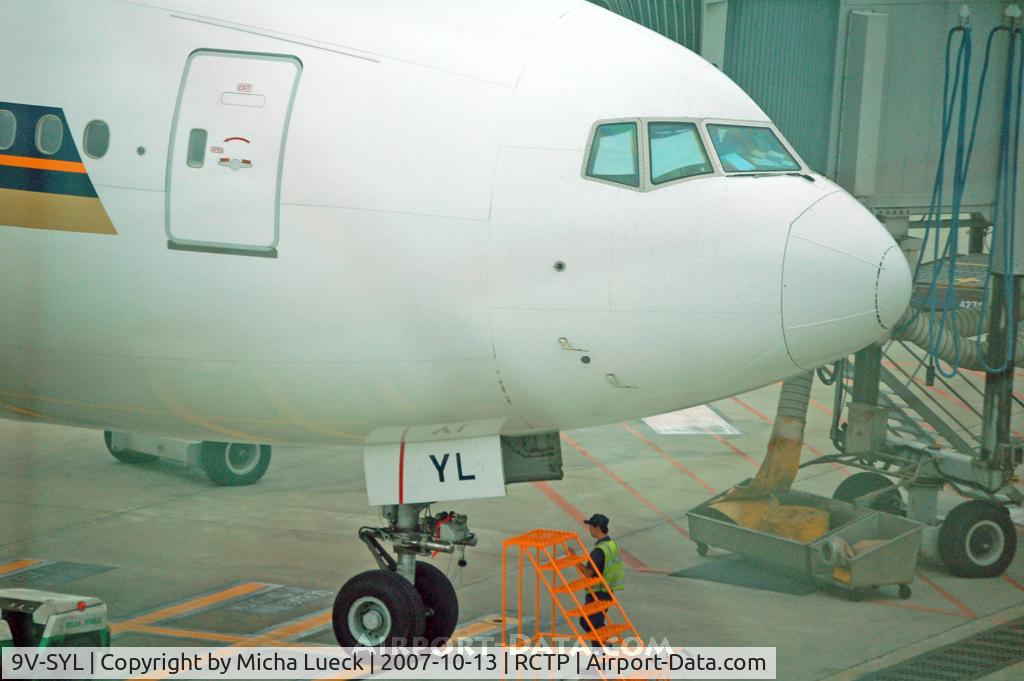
pixel 782 53
pixel 678 20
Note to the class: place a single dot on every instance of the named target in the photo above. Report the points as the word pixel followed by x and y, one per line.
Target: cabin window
pixel 97 139
pixel 676 152
pixel 613 154
pixel 196 154
pixel 49 134
pixel 744 148
pixel 8 129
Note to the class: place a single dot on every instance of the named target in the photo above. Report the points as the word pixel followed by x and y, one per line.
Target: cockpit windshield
pixel 676 152
pixel 743 148
pixel 613 154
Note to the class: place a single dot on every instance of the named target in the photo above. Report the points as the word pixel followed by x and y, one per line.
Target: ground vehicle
pixel 46 620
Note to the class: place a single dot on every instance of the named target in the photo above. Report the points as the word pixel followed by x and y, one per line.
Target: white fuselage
pixel 430 181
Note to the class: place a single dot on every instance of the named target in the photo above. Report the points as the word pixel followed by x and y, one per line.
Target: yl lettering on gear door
pixel 227 146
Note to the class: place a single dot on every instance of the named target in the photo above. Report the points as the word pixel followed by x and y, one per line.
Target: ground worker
pixel 608 559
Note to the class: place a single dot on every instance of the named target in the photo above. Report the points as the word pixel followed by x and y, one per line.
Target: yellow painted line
pixel 312 622
pixel 41 163
pixel 482 625
pixel 166 395
pixel 274 395
pixel 186 633
pixel 187 606
pixel 16 565
pixel 24 412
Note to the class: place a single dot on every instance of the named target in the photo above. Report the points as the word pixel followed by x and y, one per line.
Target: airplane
pixel 446 231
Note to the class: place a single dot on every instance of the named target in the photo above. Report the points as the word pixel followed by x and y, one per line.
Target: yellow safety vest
pixel 613 572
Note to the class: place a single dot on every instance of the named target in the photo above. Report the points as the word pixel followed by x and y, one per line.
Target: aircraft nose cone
pixel 894 288
pixel 844 281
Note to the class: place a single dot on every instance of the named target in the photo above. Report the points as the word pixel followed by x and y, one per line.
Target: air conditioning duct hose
pixel 914 328
pixel 780 466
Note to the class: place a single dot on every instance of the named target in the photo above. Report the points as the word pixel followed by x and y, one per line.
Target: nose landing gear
pixel 405 601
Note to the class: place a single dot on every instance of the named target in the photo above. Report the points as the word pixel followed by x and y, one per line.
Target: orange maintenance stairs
pixel 544 557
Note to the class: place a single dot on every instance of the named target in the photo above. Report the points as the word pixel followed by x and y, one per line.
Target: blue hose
pixel 1006 197
pixel 935 206
pixel 955 99
pixel 952 99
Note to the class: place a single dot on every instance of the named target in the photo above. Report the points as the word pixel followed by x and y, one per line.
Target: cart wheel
pixel 702 548
pixel 866 482
pixel 904 592
pixel 977 539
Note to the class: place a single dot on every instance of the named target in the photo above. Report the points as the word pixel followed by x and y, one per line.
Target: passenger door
pixel 227 145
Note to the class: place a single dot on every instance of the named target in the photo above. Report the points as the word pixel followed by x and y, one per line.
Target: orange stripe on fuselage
pixel 42 163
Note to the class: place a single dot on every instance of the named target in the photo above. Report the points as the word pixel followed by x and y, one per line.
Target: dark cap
pixel 597 520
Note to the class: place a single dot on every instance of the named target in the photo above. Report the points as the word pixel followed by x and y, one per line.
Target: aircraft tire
pixel 378 608
pixel 977 539
pixel 126 455
pixel 233 464
pixel 866 482
pixel 441 602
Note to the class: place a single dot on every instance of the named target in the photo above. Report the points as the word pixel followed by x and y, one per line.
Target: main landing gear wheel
pixel 977 539
pixel 441 603
pixel 232 464
pixel 866 482
pixel 378 608
pixel 126 455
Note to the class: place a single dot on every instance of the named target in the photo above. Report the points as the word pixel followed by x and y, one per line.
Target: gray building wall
pixel 782 53
pixel 678 20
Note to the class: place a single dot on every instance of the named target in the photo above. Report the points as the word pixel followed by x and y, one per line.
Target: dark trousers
pixel 597 619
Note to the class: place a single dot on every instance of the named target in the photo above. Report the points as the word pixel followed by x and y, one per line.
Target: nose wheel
pixel 405 602
pixel 378 608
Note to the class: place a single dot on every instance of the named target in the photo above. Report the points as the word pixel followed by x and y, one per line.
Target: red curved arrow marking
pixel 240 139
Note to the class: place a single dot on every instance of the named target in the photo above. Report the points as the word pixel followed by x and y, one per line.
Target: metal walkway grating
pixel 972 658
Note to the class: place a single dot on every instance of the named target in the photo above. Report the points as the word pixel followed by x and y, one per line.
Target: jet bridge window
pixel 745 148
pixel 613 154
pixel 676 152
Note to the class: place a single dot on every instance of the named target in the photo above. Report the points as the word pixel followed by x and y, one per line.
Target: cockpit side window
pixel 744 148
pixel 676 152
pixel 613 154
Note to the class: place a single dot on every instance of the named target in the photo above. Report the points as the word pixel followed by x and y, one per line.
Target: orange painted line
pixel 820 407
pixel 1013 582
pixel 919 608
pixel 188 606
pixel 739 452
pixel 186 633
pixel 574 513
pixel 629 488
pixel 753 410
pixel 696 478
pixel 964 610
pixel 41 163
pixel 16 565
